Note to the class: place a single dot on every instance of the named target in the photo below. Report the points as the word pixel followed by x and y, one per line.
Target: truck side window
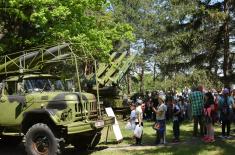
pixel 11 87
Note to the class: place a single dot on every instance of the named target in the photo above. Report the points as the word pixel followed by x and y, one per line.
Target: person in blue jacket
pixel 226 111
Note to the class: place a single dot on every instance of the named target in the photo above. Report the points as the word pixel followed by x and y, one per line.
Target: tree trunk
pixel 154 70
pixel 226 66
pixel 128 75
pixel 142 71
pixel 142 79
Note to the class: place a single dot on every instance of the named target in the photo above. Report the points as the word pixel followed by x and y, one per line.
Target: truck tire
pixel 10 140
pixel 85 142
pixel 40 140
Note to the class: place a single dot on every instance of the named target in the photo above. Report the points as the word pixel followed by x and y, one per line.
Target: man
pixel 226 110
pixel 196 99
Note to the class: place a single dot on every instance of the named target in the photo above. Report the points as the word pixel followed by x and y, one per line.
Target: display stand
pixel 115 126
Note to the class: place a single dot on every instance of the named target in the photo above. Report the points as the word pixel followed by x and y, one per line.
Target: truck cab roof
pixel 29 76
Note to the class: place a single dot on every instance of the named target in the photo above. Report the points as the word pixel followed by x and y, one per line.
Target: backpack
pixel 216 105
pixel 225 108
pixel 179 115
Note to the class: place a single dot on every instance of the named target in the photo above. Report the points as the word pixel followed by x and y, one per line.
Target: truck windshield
pixel 43 84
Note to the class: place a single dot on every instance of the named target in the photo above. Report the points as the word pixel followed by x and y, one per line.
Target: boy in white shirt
pixel 139 119
pixel 133 116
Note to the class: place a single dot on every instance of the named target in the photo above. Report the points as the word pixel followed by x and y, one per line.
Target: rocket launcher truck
pixel 34 105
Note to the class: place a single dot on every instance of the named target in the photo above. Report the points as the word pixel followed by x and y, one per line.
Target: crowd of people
pixel 205 108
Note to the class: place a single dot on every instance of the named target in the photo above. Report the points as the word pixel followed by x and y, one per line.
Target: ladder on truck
pixel 33 60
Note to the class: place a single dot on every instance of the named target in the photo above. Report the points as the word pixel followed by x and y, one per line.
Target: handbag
pixel 138 131
pixel 156 126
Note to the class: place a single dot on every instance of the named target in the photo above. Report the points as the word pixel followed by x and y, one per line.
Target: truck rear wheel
pixel 40 140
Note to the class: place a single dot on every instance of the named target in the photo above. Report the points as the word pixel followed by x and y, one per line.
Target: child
pixel 132 116
pixel 176 121
pixel 139 119
pixel 209 102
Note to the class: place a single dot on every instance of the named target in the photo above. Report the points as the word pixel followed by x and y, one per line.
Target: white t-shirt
pixel 139 113
pixel 162 109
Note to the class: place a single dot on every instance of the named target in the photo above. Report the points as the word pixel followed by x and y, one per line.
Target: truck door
pixel 11 104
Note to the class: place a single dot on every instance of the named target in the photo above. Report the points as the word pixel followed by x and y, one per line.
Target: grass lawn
pixel 188 145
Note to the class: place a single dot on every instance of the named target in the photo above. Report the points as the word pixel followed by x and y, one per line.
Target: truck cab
pixel 38 107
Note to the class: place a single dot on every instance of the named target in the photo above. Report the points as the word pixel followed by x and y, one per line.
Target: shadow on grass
pixel 113 142
pixel 20 150
pixel 198 148
pixel 73 151
pixel 12 150
pixel 149 136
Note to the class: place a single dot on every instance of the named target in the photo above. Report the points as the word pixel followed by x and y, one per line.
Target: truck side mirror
pixel 1 92
pixel 70 85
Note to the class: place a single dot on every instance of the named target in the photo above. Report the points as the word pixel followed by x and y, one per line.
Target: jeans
pixel 160 133
pixel 198 120
pixel 226 123
pixel 176 129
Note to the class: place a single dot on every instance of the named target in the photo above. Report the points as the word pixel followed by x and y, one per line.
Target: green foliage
pixel 87 23
pixel 179 81
pixel 193 36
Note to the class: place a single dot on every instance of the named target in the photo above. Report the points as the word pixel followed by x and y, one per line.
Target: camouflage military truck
pixel 37 107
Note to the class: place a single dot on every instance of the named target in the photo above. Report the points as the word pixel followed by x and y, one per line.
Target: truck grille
pixel 87 109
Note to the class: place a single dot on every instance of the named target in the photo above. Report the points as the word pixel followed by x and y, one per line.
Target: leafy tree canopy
pixel 87 23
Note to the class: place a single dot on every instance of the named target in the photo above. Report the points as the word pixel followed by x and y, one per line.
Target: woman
pixel 208 107
pixel 160 111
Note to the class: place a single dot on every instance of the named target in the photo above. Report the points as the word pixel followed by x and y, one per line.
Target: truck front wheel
pixel 40 140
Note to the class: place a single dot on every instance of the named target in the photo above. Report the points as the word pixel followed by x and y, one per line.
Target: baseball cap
pixel 225 91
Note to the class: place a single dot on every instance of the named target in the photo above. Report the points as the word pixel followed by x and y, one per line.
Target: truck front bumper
pixel 80 127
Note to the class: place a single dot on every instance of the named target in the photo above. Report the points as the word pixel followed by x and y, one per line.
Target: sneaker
pixel 209 140
pixel 222 137
pixel 205 138
pixel 228 137
pixel 175 141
